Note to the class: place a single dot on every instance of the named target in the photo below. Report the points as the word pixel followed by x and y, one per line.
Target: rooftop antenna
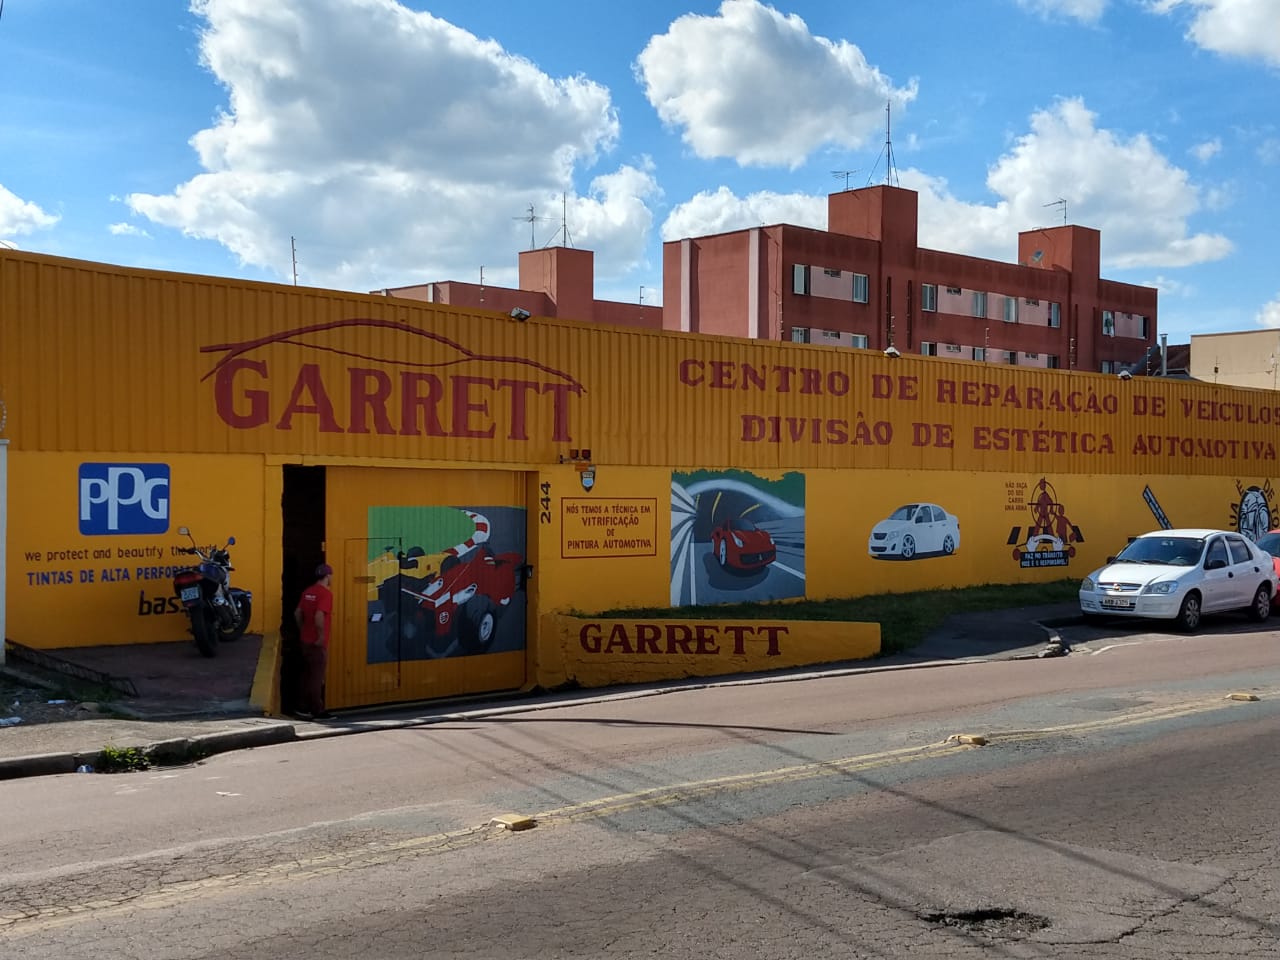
pixel 531 218
pixel 1060 203
pixel 843 175
pixel 890 167
pixel 293 251
pixel 566 241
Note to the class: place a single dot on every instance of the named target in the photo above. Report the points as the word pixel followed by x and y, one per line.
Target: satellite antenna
pixel 531 218
pixel 1060 203
pixel 843 175
pixel 890 167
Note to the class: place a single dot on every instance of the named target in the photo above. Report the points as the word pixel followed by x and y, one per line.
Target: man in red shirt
pixel 313 616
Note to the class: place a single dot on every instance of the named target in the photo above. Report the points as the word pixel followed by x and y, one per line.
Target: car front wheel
pixel 908 547
pixel 1260 609
pixel 1189 612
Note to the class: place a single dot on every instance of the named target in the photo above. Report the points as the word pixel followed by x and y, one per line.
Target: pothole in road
pixel 996 924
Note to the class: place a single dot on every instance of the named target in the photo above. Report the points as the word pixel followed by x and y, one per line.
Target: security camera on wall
pixel 1126 375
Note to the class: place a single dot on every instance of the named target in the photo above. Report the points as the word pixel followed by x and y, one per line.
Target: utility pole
pixel 293 250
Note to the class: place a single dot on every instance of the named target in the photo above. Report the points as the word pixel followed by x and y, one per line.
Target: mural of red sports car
pixel 738 544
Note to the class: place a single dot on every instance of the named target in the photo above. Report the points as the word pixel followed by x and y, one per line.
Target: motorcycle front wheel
pixel 227 634
pixel 205 633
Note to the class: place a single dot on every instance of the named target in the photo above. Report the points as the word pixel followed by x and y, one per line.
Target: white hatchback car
pixel 1181 574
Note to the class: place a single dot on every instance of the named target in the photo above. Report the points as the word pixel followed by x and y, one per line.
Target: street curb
pixel 38 765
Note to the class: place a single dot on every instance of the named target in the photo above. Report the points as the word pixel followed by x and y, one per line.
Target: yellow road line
pixel 47 917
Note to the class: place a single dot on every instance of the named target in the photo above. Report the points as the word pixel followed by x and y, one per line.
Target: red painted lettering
pixel 224 398
pixel 364 398
pixel 309 382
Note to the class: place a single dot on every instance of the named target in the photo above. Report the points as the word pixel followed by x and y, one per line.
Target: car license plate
pixel 190 593
pixel 1118 603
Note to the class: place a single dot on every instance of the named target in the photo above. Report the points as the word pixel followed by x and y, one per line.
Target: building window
pixel 861 288
pixel 799 334
pixel 831 335
pixel 1031 302
pixel 1108 323
pixel 1013 357
pixel 830 273
pixel 1033 356
pixel 800 279
pixel 952 348
pixel 1108 366
pixel 928 349
pixel 979 353
pixel 954 291
pixel 1055 315
pixel 860 340
pixel 979 303
pixel 929 296
pixel 1144 327
pixel 1051 361
pixel 1010 309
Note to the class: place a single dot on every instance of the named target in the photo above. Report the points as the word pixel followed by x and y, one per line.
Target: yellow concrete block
pixel 1249 697
pixel 973 739
pixel 513 821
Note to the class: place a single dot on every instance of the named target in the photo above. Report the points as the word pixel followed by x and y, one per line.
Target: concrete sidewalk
pixel 168 726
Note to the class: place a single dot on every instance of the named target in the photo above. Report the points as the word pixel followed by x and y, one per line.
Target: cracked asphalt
pixel 1122 806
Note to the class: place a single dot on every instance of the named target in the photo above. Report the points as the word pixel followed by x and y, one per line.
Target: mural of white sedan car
pixel 914 530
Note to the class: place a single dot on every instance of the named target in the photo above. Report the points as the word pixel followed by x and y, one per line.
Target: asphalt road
pixel 1121 807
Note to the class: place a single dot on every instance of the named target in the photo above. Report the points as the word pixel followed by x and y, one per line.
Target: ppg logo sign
pixel 124 498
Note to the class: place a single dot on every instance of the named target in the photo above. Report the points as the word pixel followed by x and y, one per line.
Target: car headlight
pixel 1086 585
pixel 893 535
pixel 737 541
pixel 1163 588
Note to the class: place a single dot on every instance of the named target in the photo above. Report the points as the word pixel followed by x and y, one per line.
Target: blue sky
pixel 402 142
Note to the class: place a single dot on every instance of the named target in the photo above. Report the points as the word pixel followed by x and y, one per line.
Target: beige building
pixel 1245 359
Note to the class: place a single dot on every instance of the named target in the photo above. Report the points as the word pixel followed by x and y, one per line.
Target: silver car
pixel 1180 575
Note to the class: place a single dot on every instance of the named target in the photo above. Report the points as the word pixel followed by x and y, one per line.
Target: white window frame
pixel 1108 323
pixel 980 353
pixel 799 334
pixel 928 349
pixel 1012 357
pixel 1055 314
pixel 979 303
pixel 860 340
pixel 1051 361
pixel 863 281
pixel 929 297
pixel 1010 309
pixel 800 279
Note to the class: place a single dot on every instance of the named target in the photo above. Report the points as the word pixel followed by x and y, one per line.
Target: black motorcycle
pixel 218 611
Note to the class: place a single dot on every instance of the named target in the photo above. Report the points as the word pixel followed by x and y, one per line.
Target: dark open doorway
pixel 302 508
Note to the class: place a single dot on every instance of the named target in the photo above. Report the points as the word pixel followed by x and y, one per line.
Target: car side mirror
pixel 1215 564
pixel 231 541
pixel 1111 559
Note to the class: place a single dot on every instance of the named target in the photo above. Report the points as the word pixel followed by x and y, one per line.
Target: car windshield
pixel 1174 551
pixel 904 513
pixel 741 523
pixel 1270 542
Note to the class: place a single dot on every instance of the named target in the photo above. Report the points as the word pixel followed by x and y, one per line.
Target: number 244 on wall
pixel 544 502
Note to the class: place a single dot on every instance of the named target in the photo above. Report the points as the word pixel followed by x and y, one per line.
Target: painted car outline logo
pixel 391 390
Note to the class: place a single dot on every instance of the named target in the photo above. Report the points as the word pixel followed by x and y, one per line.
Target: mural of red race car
pixel 461 603
pixel 738 544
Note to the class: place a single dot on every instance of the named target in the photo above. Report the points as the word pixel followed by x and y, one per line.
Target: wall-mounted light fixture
pixel 519 313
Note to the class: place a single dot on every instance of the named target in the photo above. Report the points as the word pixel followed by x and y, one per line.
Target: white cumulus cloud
pixel 1204 152
pixel 756 86
pixel 126 230
pixel 1124 187
pixel 396 147
pixel 1269 315
pixel 18 216
pixel 1239 28
pixel 1086 11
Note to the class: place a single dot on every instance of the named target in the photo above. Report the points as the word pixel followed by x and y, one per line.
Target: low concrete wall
pixel 596 652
